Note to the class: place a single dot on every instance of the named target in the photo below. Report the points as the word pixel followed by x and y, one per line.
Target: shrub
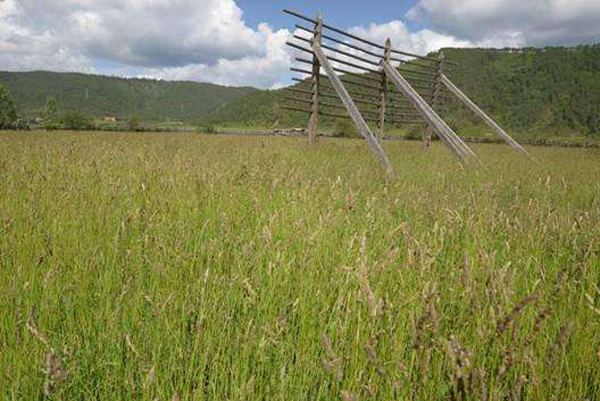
pixel 76 121
pixel 344 129
pixel 133 123
pixel 208 129
pixel 413 134
pixel 8 111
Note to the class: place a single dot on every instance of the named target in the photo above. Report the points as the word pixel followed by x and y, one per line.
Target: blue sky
pixel 242 42
pixel 338 12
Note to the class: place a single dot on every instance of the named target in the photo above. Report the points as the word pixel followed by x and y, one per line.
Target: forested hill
pixel 97 96
pixel 551 91
pixel 534 89
pixel 547 91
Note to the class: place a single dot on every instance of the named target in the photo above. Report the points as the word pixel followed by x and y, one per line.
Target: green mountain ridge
pixel 550 91
pixel 98 96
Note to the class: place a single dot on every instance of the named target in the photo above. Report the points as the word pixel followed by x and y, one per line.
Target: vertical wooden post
pixel 383 92
pixel 435 90
pixel 313 122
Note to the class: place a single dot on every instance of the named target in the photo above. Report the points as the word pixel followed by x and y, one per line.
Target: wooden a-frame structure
pixel 418 88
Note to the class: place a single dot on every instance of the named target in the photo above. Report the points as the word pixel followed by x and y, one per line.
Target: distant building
pixel 109 119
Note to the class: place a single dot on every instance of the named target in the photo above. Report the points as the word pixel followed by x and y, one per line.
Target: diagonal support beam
pixel 446 134
pixel 487 119
pixel 358 119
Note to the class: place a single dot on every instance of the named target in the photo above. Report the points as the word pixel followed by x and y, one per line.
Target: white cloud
pixel 24 48
pixel 531 22
pixel 420 42
pixel 206 40
pixel 147 32
pixel 209 41
pixel 264 71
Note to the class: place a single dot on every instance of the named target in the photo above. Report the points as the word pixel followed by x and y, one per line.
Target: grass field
pixel 197 267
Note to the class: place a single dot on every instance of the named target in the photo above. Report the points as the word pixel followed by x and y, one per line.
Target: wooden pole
pixel 383 92
pixel 358 119
pixel 435 90
pixel 491 123
pixel 313 122
pixel 456 145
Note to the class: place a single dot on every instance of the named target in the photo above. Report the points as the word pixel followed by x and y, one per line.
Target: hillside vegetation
pixel 531 92
pixel 94 95
pixel 535 91
pixel 548 90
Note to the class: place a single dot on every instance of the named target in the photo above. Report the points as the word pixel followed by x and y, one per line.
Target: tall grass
pixel 192 267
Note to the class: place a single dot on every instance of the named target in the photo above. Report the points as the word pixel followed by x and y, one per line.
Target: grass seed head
pixel 54 373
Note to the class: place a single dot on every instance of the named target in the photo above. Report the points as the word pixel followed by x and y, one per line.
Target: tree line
pixel 52 118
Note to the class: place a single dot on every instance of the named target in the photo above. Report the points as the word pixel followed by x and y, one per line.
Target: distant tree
pixel 133 123
pixel 51 114
pixel 8 111
pixel 76 121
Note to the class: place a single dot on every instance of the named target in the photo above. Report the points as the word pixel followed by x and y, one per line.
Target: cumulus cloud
pixel 186 39
pixel 420 42
pixel 147 32
pixel 531 22
pixel 209 41
pixel 426 40
pixel 264 71
pixel 25 48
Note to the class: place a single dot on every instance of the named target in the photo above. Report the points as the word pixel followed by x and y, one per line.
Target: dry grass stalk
pixel 560 342
pixel 249 387
pixel 149 377
pixel 428 321
pixel 591 304
pixel 348 396
pixel 375 304
pixel 460 358
pixel 151 303
pixel 508 360
pixel 333 363
pixel 481 379
pixel 369 389
pixel 369 348
pixel 164 304
pixel 54 372
pixel 250 293
pixel 131 346
pixel 539 320
pixel 517 391
pixel 507 320
pixel 124 290
pixel 33 330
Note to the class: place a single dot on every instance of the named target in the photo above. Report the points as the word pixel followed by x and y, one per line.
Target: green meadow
pixel 204 267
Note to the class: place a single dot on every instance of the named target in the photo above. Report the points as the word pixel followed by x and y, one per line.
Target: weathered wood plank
pixel 383 92
pixel 313 121
pixel 358 119
pixel 487 119
pixel 454 143
pixel 434 99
